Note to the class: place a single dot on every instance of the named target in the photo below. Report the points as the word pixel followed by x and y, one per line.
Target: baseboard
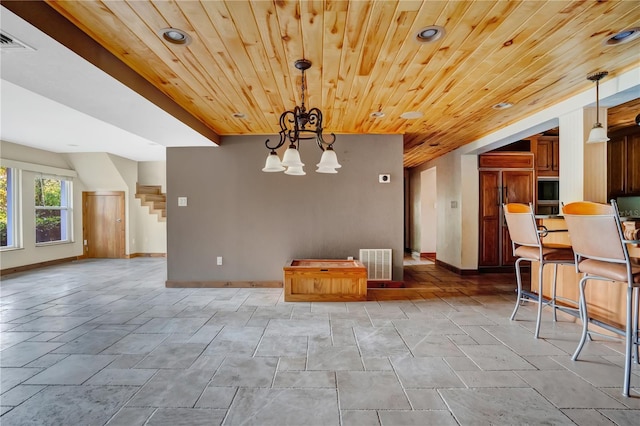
pixel 223 284
pixel 24 268
pixel 132 255
pixel 428 256
pixel 456 269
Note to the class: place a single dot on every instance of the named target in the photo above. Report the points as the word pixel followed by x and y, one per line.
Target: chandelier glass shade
pixel 301 124
pixel 598 134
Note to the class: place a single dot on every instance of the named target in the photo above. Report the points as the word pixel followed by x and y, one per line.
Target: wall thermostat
pixel 384 178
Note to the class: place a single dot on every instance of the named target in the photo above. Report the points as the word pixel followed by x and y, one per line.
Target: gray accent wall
pixel 257 221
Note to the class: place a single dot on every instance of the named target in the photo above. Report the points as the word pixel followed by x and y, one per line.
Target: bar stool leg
pixel 636 335
pixel 519 282
pixel 582 304
pixel 553 291
pixel 540 301
pixel 628 342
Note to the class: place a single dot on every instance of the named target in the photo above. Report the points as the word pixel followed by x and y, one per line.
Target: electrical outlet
pixel 349 257
pixel 384 178
pixel 219 260
pixel 182 201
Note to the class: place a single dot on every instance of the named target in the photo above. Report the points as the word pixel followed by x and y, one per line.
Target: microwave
pixel 548 189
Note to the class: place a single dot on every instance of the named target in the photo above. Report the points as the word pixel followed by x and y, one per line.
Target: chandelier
pixel 298 125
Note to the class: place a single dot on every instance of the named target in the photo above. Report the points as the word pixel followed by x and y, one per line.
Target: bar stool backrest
pixel 595 231
pixel 522 224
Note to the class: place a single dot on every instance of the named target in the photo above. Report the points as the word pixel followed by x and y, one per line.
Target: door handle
pixel 499 195
pixel 118 220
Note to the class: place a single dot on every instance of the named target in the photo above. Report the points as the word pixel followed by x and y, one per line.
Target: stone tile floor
pixel 104 342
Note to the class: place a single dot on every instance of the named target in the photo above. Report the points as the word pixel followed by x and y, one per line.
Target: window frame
pixel 65 207
pixel 14 209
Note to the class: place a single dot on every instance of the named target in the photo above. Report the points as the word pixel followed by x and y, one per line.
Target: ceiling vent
pixel 9 43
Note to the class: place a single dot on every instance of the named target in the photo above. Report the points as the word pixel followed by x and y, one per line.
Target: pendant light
pixel 598 134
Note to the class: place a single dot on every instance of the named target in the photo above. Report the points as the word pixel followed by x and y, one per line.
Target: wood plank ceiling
pixel 366 58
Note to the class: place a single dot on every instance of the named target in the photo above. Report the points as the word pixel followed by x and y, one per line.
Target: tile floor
pixel 104 342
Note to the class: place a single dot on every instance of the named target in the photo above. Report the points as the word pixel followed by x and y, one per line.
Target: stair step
pixel 152 197
pixel 148 189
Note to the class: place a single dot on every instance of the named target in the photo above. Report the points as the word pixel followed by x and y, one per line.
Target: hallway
pixel 104 342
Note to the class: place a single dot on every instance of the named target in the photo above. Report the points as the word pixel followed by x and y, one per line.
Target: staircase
pixel 152 196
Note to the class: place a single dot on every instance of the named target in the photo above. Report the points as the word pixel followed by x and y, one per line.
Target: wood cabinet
pixel 623 163
pixel 501 183
pixel 548 156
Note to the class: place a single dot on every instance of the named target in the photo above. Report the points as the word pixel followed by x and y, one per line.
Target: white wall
pixel 29 253
pixel 153 173
pixel 428 212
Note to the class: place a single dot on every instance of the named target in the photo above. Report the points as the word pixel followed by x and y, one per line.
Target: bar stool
pixel 527 246
pixel 602 254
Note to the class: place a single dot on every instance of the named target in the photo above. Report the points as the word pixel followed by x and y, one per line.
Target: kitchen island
pixel 606 300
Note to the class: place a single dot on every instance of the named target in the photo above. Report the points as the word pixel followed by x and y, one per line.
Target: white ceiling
pixel 52 99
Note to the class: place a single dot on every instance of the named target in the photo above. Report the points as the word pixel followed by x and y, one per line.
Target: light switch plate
pixel 182 201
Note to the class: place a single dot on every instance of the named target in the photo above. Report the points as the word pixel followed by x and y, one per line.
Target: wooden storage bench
pixel 325 280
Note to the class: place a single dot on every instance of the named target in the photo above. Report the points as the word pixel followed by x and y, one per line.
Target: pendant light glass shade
pixel 273 163
pixel 329 160
pixel 326 170
pixel 291 158
pixel 295 171
pixel 598 134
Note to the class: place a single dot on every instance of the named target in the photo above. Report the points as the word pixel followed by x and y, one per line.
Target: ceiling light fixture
pixel 378 113
pixel 502 105
pixel 298 125
pixel 598 133
pixel 624 36
pixel 239 115
pixel 430 34
pixel 411 115
pixel 175 36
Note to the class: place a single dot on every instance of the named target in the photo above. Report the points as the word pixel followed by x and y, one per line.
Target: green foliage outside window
pixel 48 193
pixel 4 204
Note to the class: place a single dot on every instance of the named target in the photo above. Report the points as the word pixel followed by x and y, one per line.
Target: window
pixel 9 207
pixel 53 209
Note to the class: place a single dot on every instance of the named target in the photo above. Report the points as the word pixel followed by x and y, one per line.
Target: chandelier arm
pixel 321 142
pixel 278 145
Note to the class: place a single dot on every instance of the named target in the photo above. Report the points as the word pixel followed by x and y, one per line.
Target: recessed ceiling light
pixel 239 115
pixel 624 36
pixel 430 33
pixel 502 105
pixel 377 114
pixel 411 115
pixel 175 36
